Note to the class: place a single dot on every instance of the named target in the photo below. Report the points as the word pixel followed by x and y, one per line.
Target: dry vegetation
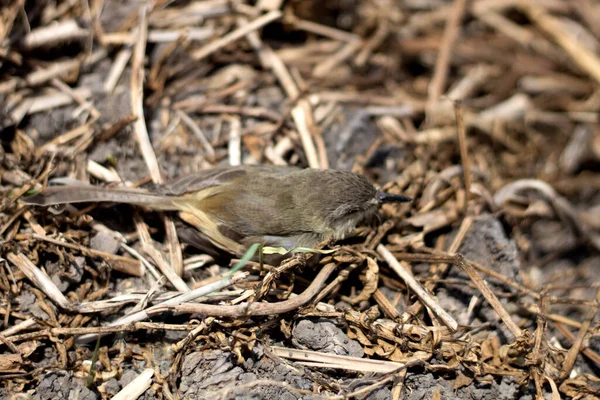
pixel 485 112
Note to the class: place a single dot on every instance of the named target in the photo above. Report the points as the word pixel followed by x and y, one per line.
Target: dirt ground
pixel 485 112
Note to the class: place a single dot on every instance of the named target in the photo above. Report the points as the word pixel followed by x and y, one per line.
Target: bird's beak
pixel 383 197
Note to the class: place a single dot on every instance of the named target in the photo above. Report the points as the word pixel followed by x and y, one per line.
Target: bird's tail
pixel 56 195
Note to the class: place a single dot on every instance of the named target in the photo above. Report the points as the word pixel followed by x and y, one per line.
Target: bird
pixel 234 207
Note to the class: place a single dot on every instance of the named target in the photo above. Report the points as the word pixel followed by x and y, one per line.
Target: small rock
pixel 62 385
pixel 29 304
pixel 128 376
pixel 207 371
pixel 552 236
pixel 486 243
pixel 111 387
pixel 64 277
pixel 104 241
pixel 326 337
pixel 351 135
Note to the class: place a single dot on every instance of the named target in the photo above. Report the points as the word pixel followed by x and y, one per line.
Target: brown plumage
pixel 235 207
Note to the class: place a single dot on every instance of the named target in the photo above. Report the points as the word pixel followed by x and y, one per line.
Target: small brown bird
pixel 235 207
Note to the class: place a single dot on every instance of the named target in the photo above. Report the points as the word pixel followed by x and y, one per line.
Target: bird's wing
pixel 216 177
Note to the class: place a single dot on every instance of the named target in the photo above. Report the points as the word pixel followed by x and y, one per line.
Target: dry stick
pixel 13 330
pixel 54 70
pixel 33 183
pixel 323 69
pixel 302 116
pixel 9 313
pixel 489 295
pixel 119 263
pixel 398 385
pixel 392 376
pixel 111 130
pixel 10 13
pixel 157 257
pixel 178 351
pixel 558 319
pixel 100 172
pixel 9 85
pixel 468 85
pixel 269 4
pixel 37 228
pixel 64 138
pixel 542 326
pixel 440 74
pixel 316 137
pixel 388 308
pixel 383 30
pixel 9 344
pixel 12 219
pixel 137 106
pixel 341 276
pixel 116 69
pixel 322 30
pixel 441 270
pixel 270 60
pixel 189 122
pixel 521 35
pixel 505 280
pixel 235 141
pixel 158 36
pixel 368 99
pixel 452 259
pixel 589 353
pixel 590 13
pixel 577 344
pixel 416 287
pixel 254 112
pixel 536 361
pixel 63 31
pixel 189 338
pixel 236 34
pixel 46 102
pixel 301 113
pixel 581 55
pixel 252 309
pixel 136 387
pixel 385 328
pixel 141 133
pixel 41 280
pixel 63 87
pixel 464 153
pixel 104 330
pixel 350 363
pixel 427 258
pixel 182 298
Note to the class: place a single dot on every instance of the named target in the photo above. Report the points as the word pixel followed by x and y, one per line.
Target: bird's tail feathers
pixel 83 194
